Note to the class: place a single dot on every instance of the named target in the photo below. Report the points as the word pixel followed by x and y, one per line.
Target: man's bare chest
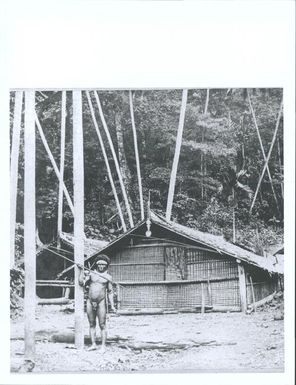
pixel 98 279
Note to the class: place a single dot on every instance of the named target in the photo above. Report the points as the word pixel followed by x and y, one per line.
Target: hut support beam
pixel 29 227
pixel 253 294
pixel 202 298
pixel 78 179
pixel 17 117
pixel 242 286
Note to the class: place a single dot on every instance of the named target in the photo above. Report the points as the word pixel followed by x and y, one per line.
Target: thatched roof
pixel 218 243
pixel 268 262
pixel 91 246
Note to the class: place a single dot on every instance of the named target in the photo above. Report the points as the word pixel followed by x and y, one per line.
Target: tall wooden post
pixel 136 155
pixel 106 161
pixel 176 157
pixel 78 179
pixel 128 208
pixel 62 162
pixel 202 157
pixel 29 226
pixel 242 286
pixel 17 117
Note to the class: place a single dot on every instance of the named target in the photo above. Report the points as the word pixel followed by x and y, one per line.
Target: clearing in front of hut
pixel 169 342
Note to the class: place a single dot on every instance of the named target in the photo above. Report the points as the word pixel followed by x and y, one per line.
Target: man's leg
pixel 91 315
pixel 101 312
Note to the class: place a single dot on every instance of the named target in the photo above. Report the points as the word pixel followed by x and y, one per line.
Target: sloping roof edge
pixel 269 263
pixel 91 246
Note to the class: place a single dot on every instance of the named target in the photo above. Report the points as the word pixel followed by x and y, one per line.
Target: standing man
pixel 100 283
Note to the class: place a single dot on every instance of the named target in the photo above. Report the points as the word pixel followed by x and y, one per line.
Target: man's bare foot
pixel 103 349
pixel 92 347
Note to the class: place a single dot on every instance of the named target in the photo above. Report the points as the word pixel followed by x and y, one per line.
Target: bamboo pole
pixel 280 165
pixel 106 161
pixel 203 165
pixel 29 226
pixel 176 156
pixel 207 101
pixel 268 156
pixel 233 218
pixel 128 209
pixel 62 164
pixel 78 179
pixel 17 118
pixel 137 155
pixel 54 165
pixel 262 149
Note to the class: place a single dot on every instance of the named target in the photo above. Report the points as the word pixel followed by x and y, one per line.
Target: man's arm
pixel 83 277
pixel 111 295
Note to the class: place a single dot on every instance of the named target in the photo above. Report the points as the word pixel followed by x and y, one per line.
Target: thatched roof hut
pixel 176 267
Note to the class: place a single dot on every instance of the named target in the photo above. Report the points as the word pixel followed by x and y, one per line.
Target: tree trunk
pixel 17 117
pixel 30 227
pixel 176 156
pixel 78 179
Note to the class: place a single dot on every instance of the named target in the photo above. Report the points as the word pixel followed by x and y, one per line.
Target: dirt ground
pixel 240 342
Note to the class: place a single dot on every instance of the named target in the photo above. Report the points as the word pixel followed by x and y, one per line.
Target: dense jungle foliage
pixel 220 162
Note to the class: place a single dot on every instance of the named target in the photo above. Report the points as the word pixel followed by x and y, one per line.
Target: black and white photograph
pixel 148 230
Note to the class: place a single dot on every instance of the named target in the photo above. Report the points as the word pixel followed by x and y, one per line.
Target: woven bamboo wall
pixel 226 293
pixel 147 265
pixel 138 264
pixel 202 264
pixel 183 294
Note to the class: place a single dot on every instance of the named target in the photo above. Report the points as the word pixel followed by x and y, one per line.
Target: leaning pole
pixel 176 156
pixel 29 226
pixel 78 180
